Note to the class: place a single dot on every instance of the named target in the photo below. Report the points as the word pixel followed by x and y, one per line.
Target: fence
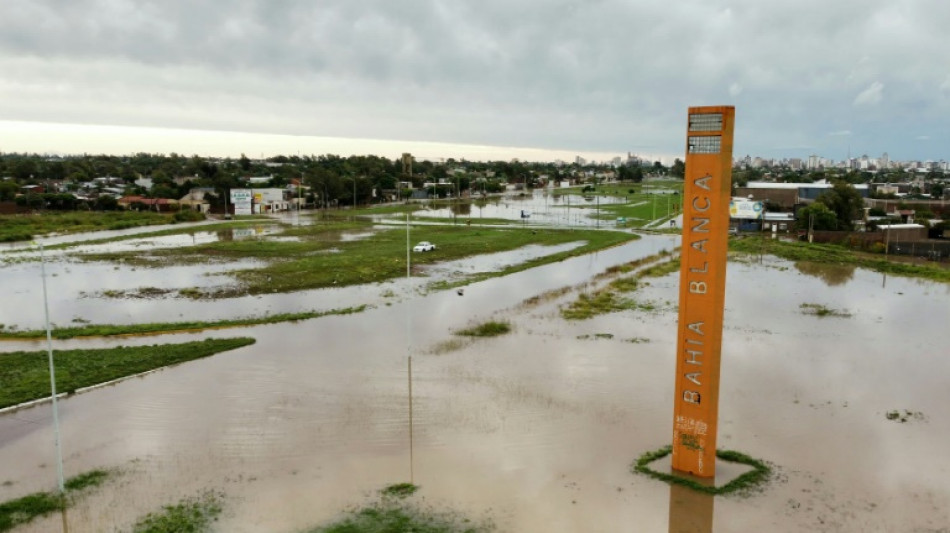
pixel 935 250
pixel 932 249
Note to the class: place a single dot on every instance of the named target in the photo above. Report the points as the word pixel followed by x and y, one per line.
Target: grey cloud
pixel 600 75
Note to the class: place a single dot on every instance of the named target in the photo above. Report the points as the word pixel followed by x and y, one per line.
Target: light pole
pixel 52 377
pixel 299 185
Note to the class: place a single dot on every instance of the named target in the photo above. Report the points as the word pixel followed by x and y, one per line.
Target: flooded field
pixel 534 430
pixel 120 293
pixel 540 206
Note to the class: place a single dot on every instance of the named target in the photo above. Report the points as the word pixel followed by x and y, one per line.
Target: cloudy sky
pixel 602 76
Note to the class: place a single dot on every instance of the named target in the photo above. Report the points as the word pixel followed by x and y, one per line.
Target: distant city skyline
pixel 805 76
pixel 78 139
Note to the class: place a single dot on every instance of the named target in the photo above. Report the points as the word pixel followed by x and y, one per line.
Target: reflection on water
pixel 349 236
pixel 540 206
pixel 76 288
pixel 498 260
pixel 690 511
pixel 831 274
pixel 108 234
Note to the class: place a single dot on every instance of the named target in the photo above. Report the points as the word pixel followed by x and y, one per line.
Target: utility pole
pixel 52 378
pixel 887 241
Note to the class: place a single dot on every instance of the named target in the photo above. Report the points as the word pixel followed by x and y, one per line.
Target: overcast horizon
pixel 545 79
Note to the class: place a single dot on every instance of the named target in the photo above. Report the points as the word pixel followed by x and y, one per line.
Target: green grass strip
pixel 22 510
pixel 759 474
pixel 836 254
pixel 599 303
pixel 399 490
pixel 608 300
pixel 488 329
pixel 190 515
pixel 110 330
pixel 465 219
pixel 26 226
pixel 394 515
pixel 24 376
pixel 595 240
pixel 382 256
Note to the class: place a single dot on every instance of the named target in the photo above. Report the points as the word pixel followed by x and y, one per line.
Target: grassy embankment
pixel 25 227
pixel 320 259
pixel 113 330
pixel 24 376
pixel 23 510
pixel 831 253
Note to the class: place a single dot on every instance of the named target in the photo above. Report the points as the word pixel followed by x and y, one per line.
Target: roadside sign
pixel 707 191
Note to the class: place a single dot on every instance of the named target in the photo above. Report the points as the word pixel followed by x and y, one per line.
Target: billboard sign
pixel 745 209
pixel 241 199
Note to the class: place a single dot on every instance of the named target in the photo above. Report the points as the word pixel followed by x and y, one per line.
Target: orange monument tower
pixel 706 194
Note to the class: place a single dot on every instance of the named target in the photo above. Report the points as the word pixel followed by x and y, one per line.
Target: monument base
pixel 735 471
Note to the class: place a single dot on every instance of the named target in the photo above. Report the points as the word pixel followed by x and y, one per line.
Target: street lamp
pixel 52 376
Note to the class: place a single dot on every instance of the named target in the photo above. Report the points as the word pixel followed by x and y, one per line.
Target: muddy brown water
pixel 534 430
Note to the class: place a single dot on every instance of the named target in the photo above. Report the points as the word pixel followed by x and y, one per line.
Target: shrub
pixel 188 215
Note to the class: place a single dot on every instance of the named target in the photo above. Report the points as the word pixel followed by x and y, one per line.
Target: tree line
pixel 331 179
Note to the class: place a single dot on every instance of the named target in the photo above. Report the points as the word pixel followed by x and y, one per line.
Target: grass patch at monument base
pixel 735 472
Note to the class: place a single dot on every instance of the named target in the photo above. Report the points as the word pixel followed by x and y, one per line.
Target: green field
pixel 26 227
pixel 320 258
pixel 835 254
pixel 24 376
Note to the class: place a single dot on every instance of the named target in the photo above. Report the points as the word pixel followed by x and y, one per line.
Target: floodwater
pixel 110 293
pixel 108 234
pixel 534 430
pixel 540 206
pixel 496 261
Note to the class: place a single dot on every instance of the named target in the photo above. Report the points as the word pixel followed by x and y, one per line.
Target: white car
pixel 424 246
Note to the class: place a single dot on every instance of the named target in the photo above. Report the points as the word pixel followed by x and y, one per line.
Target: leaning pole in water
pixel 706 194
